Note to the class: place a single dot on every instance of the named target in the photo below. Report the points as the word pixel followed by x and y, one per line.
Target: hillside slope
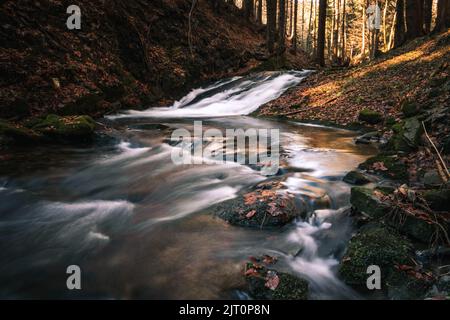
pixel 128 54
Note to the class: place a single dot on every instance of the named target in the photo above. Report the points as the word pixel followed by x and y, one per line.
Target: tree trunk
pixel 248 9
pixel 343 30
pixel 385 44
pixel 308 39
pixel 427 15
pixel 259 15
pixel 443 11
pixel 294 43
pixel 414 19
pixel 271 24
pixel 281 27
pixel 363 33
pixel 399 36
pixel 321 33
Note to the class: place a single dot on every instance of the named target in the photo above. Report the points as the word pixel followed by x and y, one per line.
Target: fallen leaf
pixel 272 280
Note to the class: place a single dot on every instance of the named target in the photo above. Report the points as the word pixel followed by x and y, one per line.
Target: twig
pixel 190 27
pixel 437 151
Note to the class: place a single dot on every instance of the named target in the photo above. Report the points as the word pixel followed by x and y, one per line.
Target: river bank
pixel 401 201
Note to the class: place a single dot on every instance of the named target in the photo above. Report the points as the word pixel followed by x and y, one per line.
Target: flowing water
pixel 140 226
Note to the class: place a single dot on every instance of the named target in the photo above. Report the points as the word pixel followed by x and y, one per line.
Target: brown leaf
pixel 250 214
pixel 379 166
pixel 272 280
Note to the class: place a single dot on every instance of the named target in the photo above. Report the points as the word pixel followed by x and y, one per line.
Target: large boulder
pixel 387 166
pixel 356 178
pixel 406 136
pixel 378 245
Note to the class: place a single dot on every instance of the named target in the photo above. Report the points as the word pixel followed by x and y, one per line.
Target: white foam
pixel 241 99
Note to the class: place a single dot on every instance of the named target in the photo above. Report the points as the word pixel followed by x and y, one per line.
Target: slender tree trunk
pixel 343 44
pixel 338 25
pixel 392 32
pixel 303 23
pixel 363 33
pixel 308 39
pixel 386 5
pixel 260 9
pixel 294 43
pixel 271 24
pixel 281 27
pixel 399 35
pixel 427 15
pixel 321 32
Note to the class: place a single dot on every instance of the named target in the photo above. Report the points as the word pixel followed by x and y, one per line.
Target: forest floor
pixel 401 101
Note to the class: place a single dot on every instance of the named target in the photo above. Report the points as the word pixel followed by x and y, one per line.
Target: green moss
pixel 438 200
pixel 374 245
pixel 370 116
pixel 395 169
pixel 17 133
pixel 363 200
pixel 409 109
pixel 390 121
pixel 77 128
pixel 291 288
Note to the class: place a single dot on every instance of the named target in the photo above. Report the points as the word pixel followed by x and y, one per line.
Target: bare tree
pixel 321 32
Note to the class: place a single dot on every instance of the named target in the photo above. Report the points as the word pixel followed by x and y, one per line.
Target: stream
pixel 141 227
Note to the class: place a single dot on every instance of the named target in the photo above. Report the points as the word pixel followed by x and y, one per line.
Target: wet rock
pixel 438 199
pixel 412 131
pixel 414 228
pixel 432 178
pixel 357 178
pixel 409 108
pixel 267 284
pixel 16 133
pixel 368 138
pixel 370 116
pixel 375 244
pixel 406 136
pixel 75 128
pixel 403 286
pixel 261 208
pixel 365 201
pixel 394 169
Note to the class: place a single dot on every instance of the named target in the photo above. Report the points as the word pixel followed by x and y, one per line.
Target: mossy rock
pixel 390 121
pixel 395 169
pixel 438 200
pixel 415 228
pixel 402 286
pixel 66 128
pixel 364 200
pixel 262 209
pixel 370 116
pixel 378 245
pixel 410 109
pixel 406 136
pixel 289 288
pixel 17 133
pixel 356 178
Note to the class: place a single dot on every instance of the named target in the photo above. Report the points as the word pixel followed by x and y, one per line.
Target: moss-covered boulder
pixel 414 227
pixel 16 133
pixel 365 201
pixel 409 108
pixel 76 128
pixel 404 286
pixel 262 208
pixel 370 116
pixel 387 166
pixel 356 178
pixel 267 284
pixel 406 136
pixel 375 244
pixel 438 199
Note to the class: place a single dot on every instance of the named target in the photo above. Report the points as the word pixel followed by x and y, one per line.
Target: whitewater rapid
pixel 237 96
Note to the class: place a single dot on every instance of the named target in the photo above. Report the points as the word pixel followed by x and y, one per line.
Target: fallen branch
pixel 437 152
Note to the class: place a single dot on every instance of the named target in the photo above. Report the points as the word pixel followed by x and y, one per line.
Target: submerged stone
pixel 68 128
